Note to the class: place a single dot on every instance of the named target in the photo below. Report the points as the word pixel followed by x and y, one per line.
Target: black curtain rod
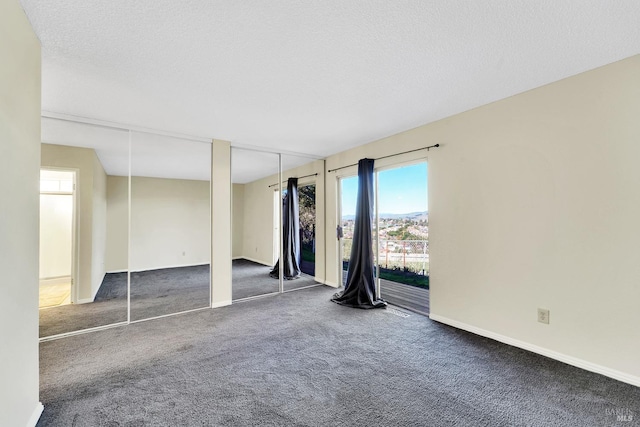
pixel 300 177
pixel 390 155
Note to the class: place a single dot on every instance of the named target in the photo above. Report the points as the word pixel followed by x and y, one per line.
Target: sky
pixel 401 190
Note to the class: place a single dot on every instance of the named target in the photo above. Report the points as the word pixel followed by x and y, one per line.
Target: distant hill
pixel 417 216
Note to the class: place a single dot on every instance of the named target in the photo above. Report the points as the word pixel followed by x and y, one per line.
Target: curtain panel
pixel 360 289
pixel 290 234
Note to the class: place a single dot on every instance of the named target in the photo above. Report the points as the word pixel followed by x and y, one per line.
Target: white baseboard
pixel 256 261
pixel 326 282
pixel 55 280
pixel 332 284
pixel 84 301
pixel 220 304
pixel 35 416
pixel 117 271
pixel 140 270
pixel 569 360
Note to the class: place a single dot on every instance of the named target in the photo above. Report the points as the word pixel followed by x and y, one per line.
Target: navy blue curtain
pixel 290 234
pixel 360 289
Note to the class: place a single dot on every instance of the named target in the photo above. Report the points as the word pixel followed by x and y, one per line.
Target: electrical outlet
pixel 543 315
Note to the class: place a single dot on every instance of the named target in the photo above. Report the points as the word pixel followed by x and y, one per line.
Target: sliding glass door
pixel 403 236
pixel 348 187
pixel 401 233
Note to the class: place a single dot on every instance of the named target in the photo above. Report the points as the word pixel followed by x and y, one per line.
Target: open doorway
pixel 57 231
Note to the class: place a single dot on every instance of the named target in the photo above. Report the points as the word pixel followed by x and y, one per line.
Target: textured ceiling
pixel 160 156
pixel 313 77
pixel 151 155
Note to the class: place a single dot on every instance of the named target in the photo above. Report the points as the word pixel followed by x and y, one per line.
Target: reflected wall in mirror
pixel 255 233
pixel 170 239
pixel 80 286
pixel 303 220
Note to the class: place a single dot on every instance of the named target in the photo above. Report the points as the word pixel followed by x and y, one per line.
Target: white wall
pixel 170 223
pixel 56 219
pixel 534 202
pixel 237 219
pixel 90 211
pixel 19 177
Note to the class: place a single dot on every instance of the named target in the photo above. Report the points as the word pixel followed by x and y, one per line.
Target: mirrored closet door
pixel 83 227
pixel 302 220
pixel 170 240
pixel 255 219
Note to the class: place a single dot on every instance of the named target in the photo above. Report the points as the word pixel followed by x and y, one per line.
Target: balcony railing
pixel 405 255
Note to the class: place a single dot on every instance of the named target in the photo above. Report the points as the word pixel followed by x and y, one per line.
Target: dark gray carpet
pixel 169 290
pixel 114 285
pixel 297 359
pixel 156 293
pixel 250 279
pixel 75 317
pixel 153 293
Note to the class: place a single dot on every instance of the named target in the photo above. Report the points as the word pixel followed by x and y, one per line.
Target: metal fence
pixel 405 255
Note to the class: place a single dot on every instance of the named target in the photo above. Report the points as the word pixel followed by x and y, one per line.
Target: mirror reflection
pixel 262 211
pixel 255 218
pixel 170 241
pixel 81 284
pixel 301 179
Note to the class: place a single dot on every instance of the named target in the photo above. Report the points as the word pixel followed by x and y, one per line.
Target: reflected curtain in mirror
pixel 291 234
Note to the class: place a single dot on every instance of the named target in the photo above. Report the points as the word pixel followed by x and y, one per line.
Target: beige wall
pixel 99 226
pixel 258 219
pixel 117 243
pixel 170 223
pixel 19 176
pixel 237 234
pixel 534 202
pixel 221 205
pixel 90 212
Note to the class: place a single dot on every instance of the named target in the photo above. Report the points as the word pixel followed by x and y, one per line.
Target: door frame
pixel 74 227
pixel 349 173
pixel 277 204
pixel 340 251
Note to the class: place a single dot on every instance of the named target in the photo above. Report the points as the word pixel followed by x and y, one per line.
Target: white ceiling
pixel 313 77
pixel 160 156
pixel 151 155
